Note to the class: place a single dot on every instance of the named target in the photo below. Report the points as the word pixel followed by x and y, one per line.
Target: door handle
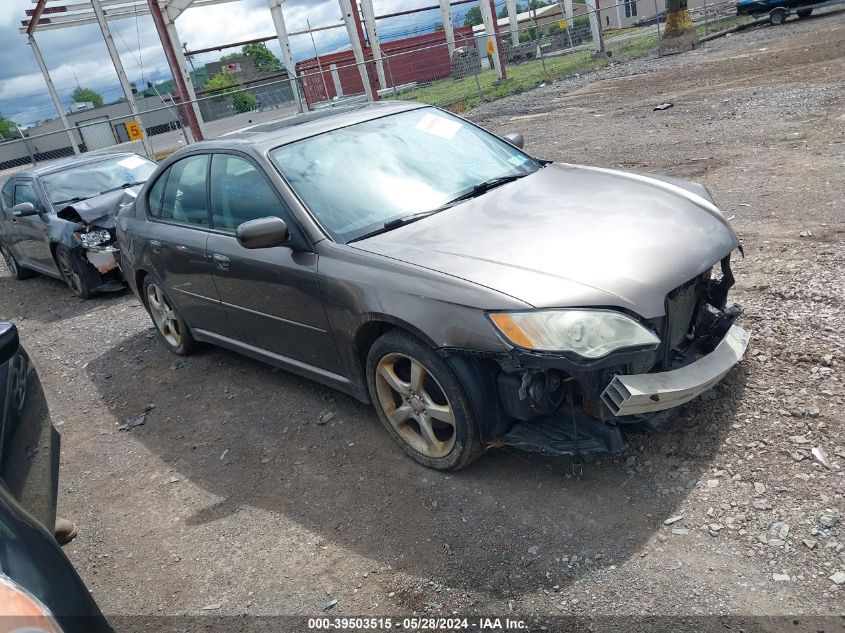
pixel 221 261
pixel 155 246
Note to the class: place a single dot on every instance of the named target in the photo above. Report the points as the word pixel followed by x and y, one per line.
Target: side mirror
pixel 24 209
pixel 8 341
pixel 516 139
pixel 263 233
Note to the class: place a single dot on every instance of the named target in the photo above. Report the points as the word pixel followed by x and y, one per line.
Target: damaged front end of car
pixel 95 239
pixel 565 403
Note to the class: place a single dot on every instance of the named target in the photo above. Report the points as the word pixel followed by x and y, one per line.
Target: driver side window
pixel 240 192
pixel 25 193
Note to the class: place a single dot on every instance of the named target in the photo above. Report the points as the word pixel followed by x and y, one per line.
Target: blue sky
pixel 79 54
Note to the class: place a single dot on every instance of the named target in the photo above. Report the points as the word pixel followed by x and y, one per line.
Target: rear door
pixel 176 242
pixel 272 295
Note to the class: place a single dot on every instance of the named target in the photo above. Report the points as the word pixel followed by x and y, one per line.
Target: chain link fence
pixel 424 69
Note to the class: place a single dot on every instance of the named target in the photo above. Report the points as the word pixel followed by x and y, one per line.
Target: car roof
pixel 264 136
pixel 73 161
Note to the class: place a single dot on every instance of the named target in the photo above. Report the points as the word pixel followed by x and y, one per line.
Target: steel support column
pixel 448 28
pixel 121 73
pixel 512 22
pixel 178 68
pixel 284 44
pixel 488 14
pixel 372 35
pixel 595 25
pixel 349 19
pixel 53 94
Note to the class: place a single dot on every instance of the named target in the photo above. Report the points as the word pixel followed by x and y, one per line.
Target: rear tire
pixel 78 275
pixel 171 327
pixel 17 271
pixel 422 402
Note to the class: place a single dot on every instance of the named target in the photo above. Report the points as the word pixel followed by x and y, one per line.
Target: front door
pixel 271 294
pixel 30 232
pixel 177 239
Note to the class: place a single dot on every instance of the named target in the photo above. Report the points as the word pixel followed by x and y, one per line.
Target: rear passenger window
pixel 8 195
pixel 184 198
pixel 239 193
pixel 155 195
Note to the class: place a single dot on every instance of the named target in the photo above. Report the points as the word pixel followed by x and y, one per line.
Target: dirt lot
pixel 231 499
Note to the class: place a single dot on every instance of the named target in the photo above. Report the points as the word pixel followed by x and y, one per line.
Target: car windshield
pixel 80 182
pixel 356 179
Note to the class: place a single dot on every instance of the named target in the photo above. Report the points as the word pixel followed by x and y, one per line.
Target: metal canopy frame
pixel 61 14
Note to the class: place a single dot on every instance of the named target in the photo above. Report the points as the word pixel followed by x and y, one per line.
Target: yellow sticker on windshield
pixel 439 126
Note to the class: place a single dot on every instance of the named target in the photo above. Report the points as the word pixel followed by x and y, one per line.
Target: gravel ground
pixel 231 499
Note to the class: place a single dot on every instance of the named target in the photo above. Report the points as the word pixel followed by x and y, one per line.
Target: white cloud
pixel 23 93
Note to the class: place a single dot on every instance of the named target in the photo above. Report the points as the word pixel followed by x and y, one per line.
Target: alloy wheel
pixel 416 405
pixel 164 316
pixel 67 271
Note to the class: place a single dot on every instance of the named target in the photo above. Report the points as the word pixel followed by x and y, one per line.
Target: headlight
pixel 588 333
pixel 92 239
pixel 23 610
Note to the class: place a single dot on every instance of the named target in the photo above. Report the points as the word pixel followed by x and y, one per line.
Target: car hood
pixel 571 235
pixel 100 210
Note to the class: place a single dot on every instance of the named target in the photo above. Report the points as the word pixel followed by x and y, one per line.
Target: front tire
pixel 422 402
pixel 78 275
pixel 18 272
pixel 171 327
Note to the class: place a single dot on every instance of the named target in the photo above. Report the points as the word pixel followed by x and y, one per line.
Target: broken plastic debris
pixel 133 422
pixel 664 106
pixel 325 416
pixel 819 454
pixel 331 603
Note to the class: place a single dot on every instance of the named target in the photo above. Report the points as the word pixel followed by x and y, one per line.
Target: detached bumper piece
pixel 103 258
pixel 557 435
pixel 645 393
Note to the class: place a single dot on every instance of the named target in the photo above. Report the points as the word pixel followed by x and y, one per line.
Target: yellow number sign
pixel 490 48
pixel 134 130
pixel 561 23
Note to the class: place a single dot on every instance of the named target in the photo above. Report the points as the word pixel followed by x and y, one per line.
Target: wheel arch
pixel 477 378
pixel 373 326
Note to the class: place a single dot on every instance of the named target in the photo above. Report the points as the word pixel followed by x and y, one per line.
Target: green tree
pixel 8 129
pixel 438 26
pixel 473 16
pixel 244 101
pixel 223 85
pixel 220 85
pixel 261 56
pixel 81 95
